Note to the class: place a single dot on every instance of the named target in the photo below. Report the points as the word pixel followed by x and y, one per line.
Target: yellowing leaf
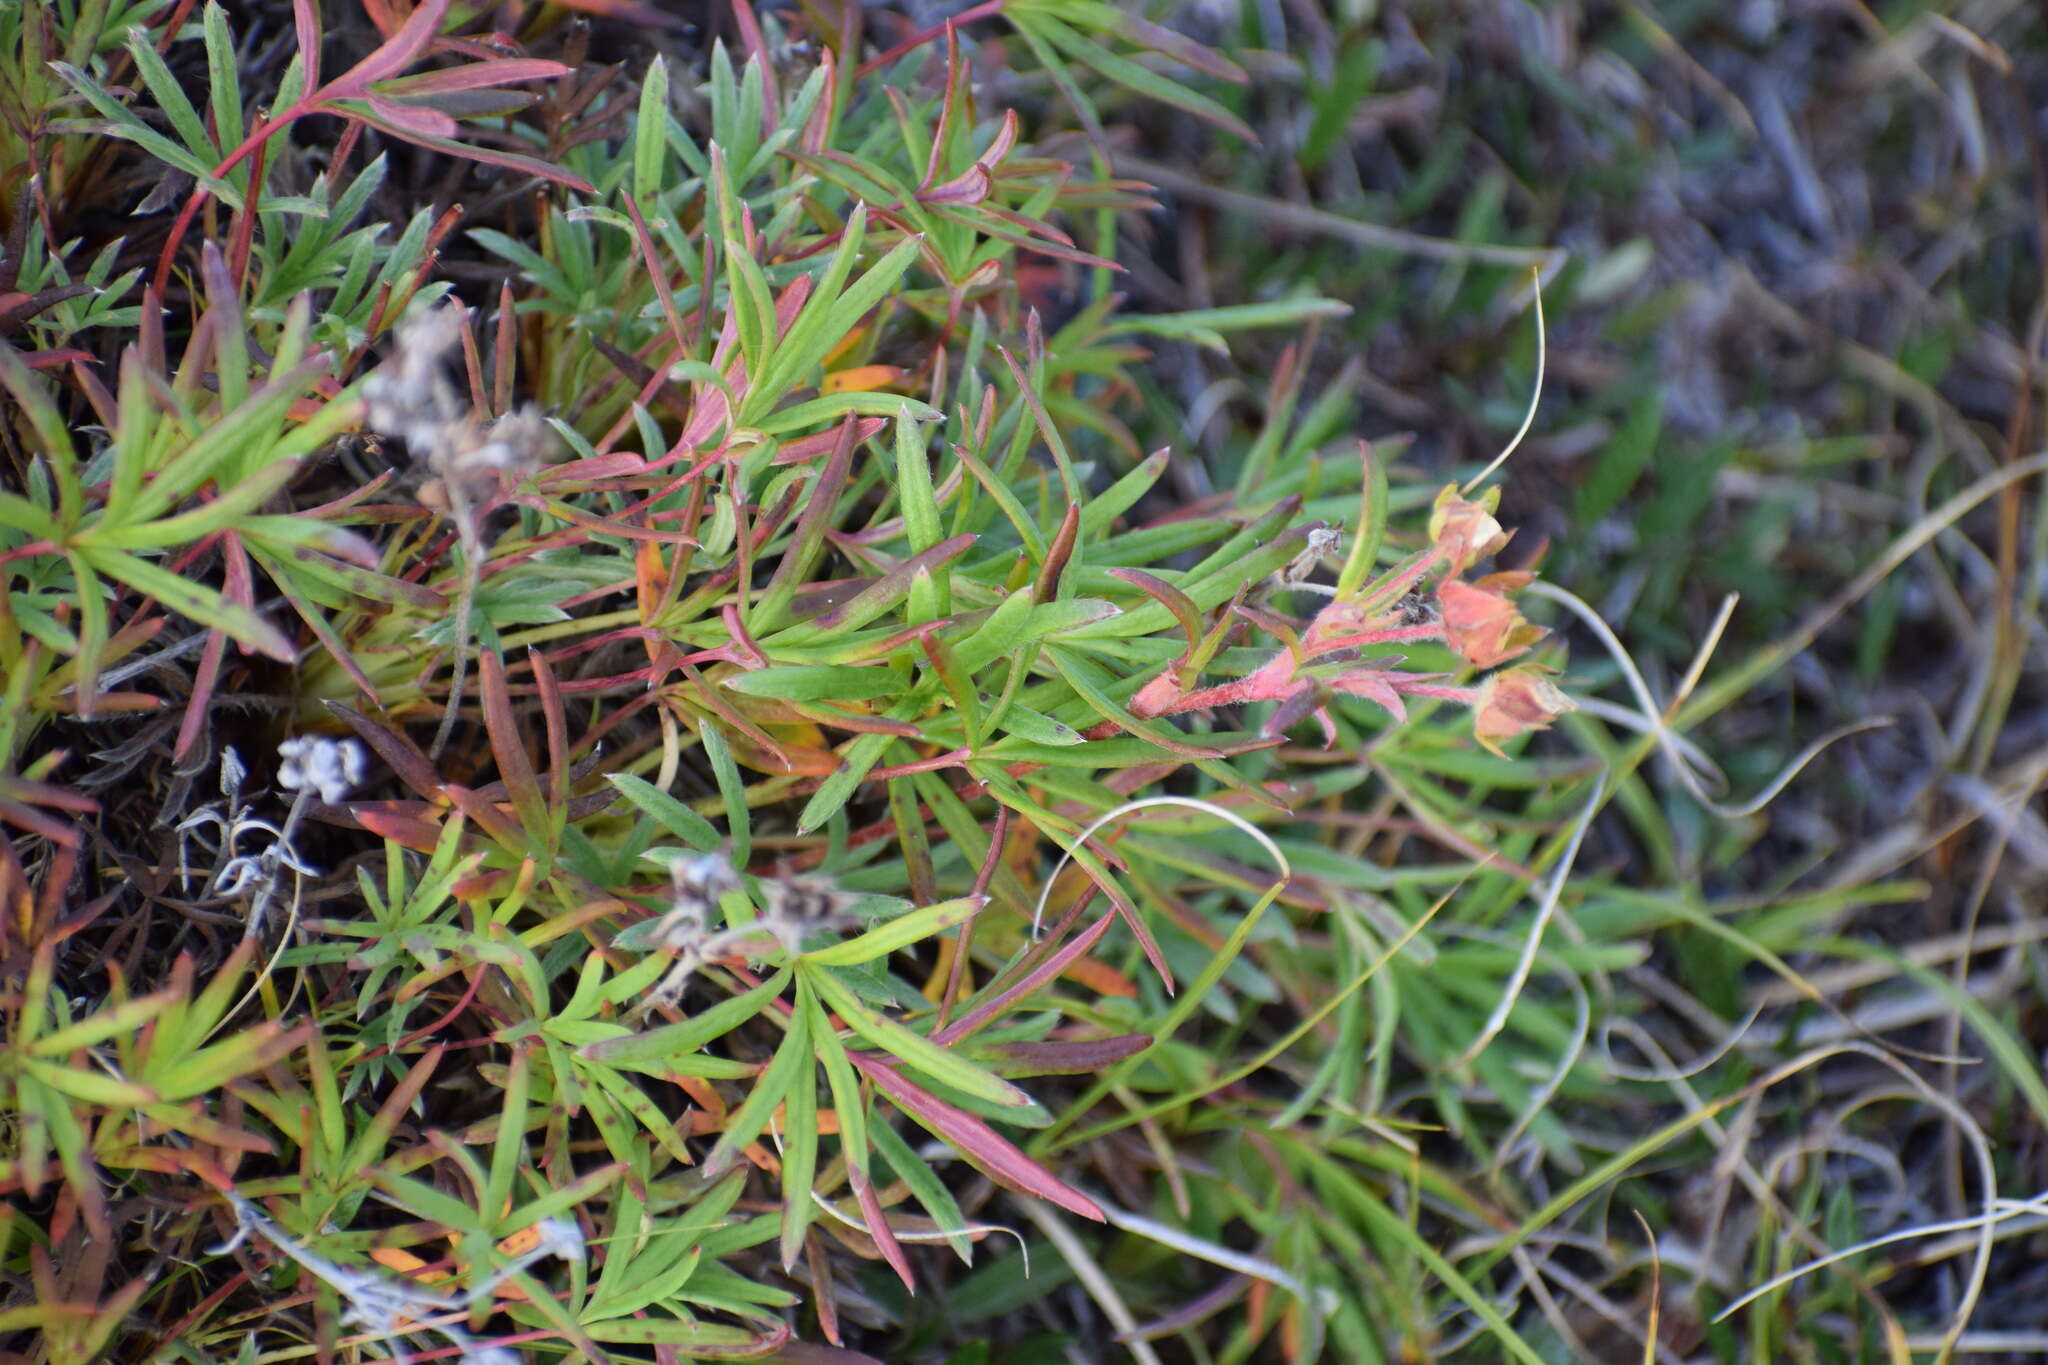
pixel 862 378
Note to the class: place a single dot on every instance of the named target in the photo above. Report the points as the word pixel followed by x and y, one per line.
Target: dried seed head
pixel 805 902
pixel 1322 541
pixel 410 395
pixel 480 458
pixel 331 767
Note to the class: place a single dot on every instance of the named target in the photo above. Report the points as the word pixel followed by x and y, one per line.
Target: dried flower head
pixel 472 458
pixel 1480 621
pixel 1322 541
pixel 698 882
pixel 794 905
pixel 1464 530
pixel 331 767
pixel 412 397
pixel 1515 701
pixel 392 1307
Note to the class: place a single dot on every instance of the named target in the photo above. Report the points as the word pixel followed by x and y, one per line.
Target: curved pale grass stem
pixel 1656 720
pixel 1535 390
pixel 1527 962
pixel 1264 840
pixel 1094 1279
pixel 1996 1210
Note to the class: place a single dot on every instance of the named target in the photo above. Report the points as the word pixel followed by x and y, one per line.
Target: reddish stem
pixel 258 135
pixel 917 40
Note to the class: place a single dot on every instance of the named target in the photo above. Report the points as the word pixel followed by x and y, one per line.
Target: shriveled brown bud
pixel 1481 623
pixel 1514 702
pixel 1464 530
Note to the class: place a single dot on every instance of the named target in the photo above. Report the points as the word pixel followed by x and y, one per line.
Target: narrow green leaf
pixel 671 814
pixel 655 1049
pixel 1364 558
pixel 835 791
pixel 817 411
pixel 187 598
pixel 731 788
pixel 914 1048
pixel 799 1155
pixel 926 1187
pixel 898 933
pixel 792 1065
pixel 847 1101
pixel 170 97
pixel 817 682
pixel 650 129
pixel 224 77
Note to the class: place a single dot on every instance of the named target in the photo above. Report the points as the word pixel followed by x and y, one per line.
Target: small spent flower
pixel 1481 623
pixel 1322 542
pixel 1514 702
pixel 331 767
pixel 1464 530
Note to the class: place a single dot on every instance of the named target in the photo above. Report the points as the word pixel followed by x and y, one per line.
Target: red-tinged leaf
pixel 825 714
pixel 485 815
pixel 35 822
pixel 815 1353
pixel 199 709
pixel 483 886
pixel 1005 139
pixel 306 28
pixel 969 187
pixel 1182 49
pixel 110 702
pixel 1073 1057
pixel 489 156
pixel 52 360
pixel 394 56
pixel 1373 684
pixel 894 586
pixel 191 1119
pixel 617 465
pixel 821 442
pixel 807 541
pixel 878 1227
pixel 577 517
pixel 1025 986
pixel 973 1139
pixel 1166 595
pixel 515 767
pixel 46 794
pixel 1029 226
pixel 982 220
pixel 414 118
pixel 400 826
pixel 1135 922
pixel 399 752
pixel 475 76
pixel 556 723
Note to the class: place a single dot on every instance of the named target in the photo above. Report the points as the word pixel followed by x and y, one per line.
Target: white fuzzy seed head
pixel 330 767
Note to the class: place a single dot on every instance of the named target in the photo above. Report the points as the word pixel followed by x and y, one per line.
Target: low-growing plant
pixel 758 785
